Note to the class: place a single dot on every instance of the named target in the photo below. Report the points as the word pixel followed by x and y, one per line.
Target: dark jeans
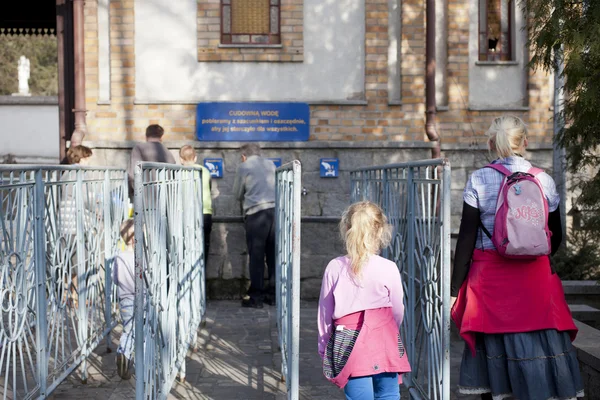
pixel 207 231
pixel 260 238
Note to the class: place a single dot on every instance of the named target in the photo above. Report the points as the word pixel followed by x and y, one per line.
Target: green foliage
pixel 581 259
pixel 576 26
pixel 43 56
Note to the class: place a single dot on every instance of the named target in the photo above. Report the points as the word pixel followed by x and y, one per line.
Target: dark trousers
pixel 260 238
pixel 207 231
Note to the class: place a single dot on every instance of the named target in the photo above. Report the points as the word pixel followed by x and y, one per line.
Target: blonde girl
pixel 361 303
pixel 511 313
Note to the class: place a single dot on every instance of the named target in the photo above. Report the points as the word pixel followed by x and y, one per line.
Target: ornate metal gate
pixel 416 198
pixel 170 293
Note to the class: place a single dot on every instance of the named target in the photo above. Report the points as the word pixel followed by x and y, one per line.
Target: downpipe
pixel 430 112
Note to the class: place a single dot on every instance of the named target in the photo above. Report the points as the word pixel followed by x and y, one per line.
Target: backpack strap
pixel 500 168
pixel 535 171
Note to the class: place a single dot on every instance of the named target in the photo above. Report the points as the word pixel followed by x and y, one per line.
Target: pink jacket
pixel 364 343
pixel 342 295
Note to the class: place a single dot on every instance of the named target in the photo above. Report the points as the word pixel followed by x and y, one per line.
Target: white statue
pixel 24 76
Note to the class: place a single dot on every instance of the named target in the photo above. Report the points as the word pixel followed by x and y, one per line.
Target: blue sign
pixel 239 122
pixel 214 166
pixel 276 161
pixel 330 167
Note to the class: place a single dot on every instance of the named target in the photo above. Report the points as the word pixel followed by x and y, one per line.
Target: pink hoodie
pixel 379 287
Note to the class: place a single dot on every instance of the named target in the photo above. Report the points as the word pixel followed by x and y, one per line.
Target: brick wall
pixel 291 27
pixel 124 120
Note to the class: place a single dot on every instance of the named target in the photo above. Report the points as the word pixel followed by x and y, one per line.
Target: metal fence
pixel 170 291
pixel 287 227
pixel 59 234
pixel 416 199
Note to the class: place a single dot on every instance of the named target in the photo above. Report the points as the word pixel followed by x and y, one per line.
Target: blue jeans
pixel 375 387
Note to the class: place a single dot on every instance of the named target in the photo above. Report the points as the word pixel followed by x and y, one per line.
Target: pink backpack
pixel 521 222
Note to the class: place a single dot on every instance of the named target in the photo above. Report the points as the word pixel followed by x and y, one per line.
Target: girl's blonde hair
pixel 507 136
pixel 365 232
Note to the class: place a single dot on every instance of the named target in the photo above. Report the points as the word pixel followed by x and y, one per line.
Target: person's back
pixel 361 303
pixel 254 186
pixel 152 150
pixel 258 176
pixel 124 279
pixel 206 190
pixel 124 276
pixel 508 308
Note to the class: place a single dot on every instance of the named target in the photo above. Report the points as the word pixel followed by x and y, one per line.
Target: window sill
pixel 250 46
pixel 496 63
pixel 500 108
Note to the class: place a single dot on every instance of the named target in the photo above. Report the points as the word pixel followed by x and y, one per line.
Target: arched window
pixel 252 22
pixel 496 30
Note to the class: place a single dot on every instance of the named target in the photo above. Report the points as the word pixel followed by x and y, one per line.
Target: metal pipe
pixel 430 112
pixel 79 111
pixel 60 42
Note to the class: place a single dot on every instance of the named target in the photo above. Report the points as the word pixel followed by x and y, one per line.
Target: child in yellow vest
pixel 188 157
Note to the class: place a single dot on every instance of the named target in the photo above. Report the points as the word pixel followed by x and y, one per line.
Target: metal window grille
pixel 250 22
pixel 496 30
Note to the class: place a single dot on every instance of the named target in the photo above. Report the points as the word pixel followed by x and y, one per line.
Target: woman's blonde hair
pixel 365 232
pixel 507 136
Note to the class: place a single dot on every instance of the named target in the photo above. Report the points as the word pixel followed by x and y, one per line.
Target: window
pixel 250 22
pixel 495 30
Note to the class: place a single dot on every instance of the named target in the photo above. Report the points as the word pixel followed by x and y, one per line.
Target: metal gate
pixel 58 237
pixel 287 227
pixel 416 199
pixel 169 255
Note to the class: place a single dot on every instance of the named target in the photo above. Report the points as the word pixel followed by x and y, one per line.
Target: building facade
pixel 360 65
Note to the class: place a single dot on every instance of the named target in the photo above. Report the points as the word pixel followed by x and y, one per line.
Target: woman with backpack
pixel 508 302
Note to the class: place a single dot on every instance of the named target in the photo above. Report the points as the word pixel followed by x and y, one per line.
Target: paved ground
pixel 237 358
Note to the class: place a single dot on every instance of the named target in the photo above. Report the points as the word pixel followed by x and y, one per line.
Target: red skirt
pixel 502 295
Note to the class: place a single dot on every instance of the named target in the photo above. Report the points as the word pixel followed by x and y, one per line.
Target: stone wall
pixel 325 199
pixel 588 354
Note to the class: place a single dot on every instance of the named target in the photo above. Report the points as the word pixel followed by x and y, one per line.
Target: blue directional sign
pixel 214 166
pixel 329 167
pixel 270 122
pixel 276 161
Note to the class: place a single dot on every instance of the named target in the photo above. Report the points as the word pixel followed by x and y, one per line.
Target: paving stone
pixel 237 357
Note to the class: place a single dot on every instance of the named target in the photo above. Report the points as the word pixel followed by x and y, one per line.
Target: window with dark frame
pixel 250 22
pixel 495 30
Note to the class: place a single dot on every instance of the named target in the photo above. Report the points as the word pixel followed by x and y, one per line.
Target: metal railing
pixel 416 199
pixel 59 234
pixel 287 243
pixel 169 262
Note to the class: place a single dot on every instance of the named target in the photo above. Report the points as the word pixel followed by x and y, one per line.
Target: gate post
pixel 108 259
pixel 410 285
pixel 446 248
pixel 139 284
pixel 81 274
pixel 39 249
pixel 287 269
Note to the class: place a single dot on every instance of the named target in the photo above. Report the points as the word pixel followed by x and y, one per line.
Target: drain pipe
pixel 79 111
pixel 430 112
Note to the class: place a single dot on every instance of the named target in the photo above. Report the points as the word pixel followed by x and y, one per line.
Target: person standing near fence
pixel 512 312
pixel 254 186
pixel 188 157
pixel 152 150
pixel 124 279
pixel 361 309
